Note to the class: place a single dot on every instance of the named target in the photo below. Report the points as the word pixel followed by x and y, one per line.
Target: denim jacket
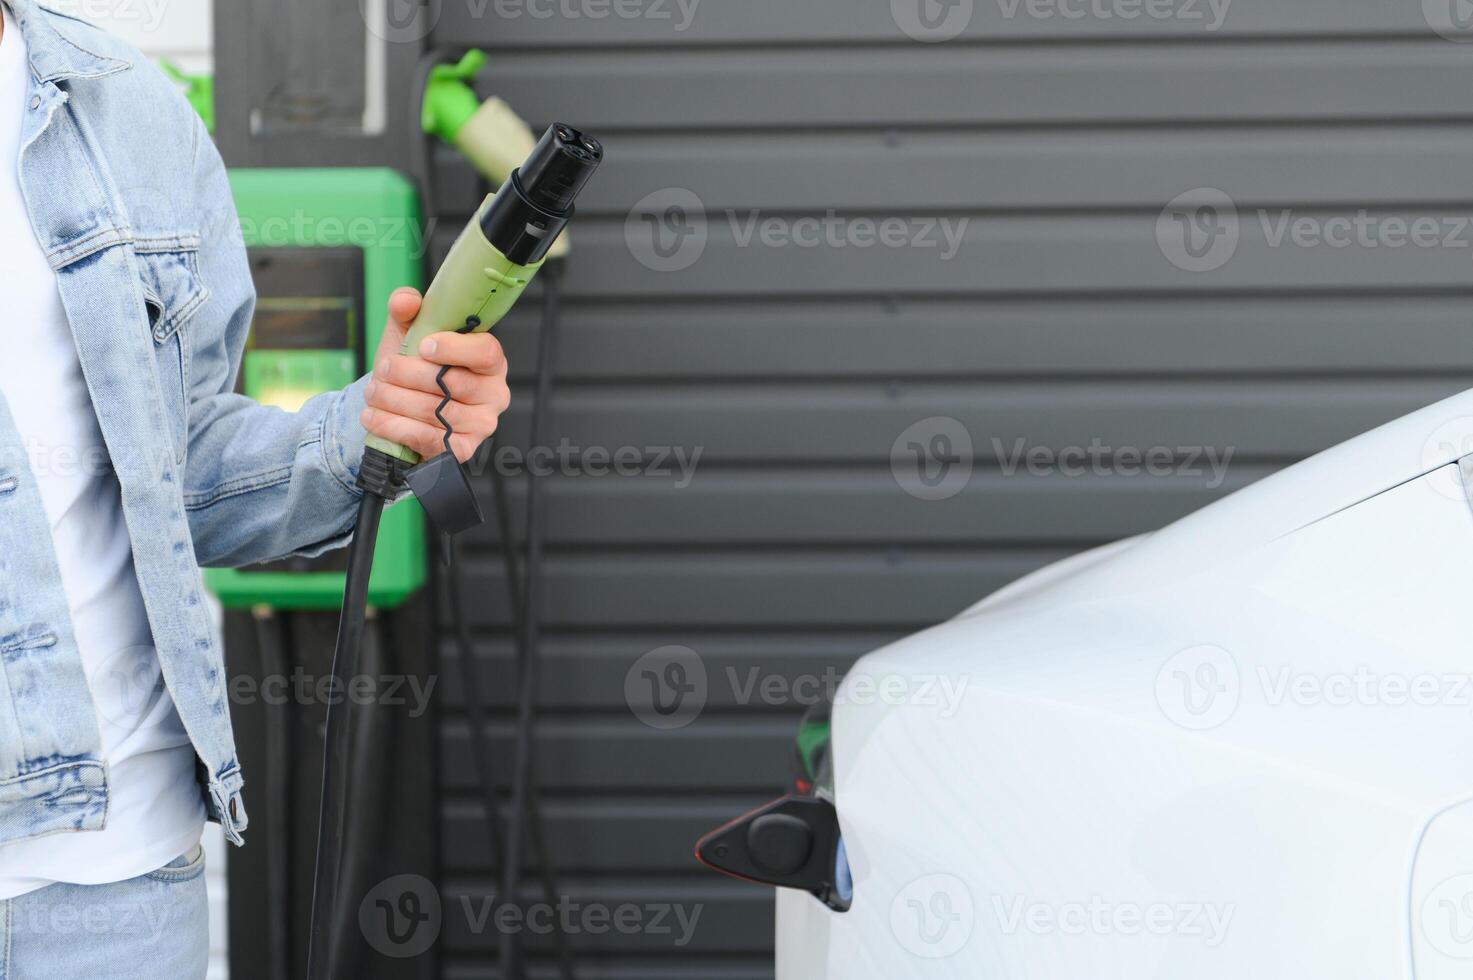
pixel 129 201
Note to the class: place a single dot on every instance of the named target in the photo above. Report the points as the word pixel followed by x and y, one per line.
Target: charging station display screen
pixel 306 338
pixel 304 322
pixel 307 299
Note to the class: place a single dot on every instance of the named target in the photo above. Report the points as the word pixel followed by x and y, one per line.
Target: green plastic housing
pixel 449 100
pixel 376 210
pixel 476 280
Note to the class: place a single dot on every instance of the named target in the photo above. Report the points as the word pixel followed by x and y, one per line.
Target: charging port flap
pixel 793 842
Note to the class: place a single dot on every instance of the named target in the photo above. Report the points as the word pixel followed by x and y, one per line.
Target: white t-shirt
pixel 155 810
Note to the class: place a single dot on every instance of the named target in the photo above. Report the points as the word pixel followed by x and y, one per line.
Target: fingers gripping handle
pixel 476 282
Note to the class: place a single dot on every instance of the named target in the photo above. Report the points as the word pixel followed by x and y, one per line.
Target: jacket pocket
pixel 172 294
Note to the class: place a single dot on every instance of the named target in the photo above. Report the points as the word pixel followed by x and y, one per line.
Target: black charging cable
pixel 522 762
pixel 378 477
pixel 525 797
pixel 536 824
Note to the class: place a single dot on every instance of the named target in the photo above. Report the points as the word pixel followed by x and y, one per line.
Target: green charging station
pixel 327 248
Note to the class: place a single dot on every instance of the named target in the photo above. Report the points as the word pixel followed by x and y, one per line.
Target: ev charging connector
pixel 489 133
pixel 488 269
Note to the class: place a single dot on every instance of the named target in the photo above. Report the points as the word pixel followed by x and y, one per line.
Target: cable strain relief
pixel 381 474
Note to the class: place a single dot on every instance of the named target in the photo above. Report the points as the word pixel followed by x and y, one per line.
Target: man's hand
pixel 402 396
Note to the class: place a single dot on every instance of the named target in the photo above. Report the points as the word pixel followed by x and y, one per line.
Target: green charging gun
pixel 486 272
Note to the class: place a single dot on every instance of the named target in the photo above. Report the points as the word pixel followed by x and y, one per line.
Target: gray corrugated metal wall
pixel 1065 319
pixel 1060 321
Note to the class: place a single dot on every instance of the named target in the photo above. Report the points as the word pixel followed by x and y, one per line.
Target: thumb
pixel 403 308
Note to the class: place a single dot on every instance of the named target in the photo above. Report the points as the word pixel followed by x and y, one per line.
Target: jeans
pixel 151 927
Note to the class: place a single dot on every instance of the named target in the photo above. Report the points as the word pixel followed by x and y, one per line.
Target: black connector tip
pixel 554 175
pixel 536 203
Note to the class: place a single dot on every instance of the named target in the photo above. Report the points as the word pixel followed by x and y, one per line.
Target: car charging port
pixel 793 842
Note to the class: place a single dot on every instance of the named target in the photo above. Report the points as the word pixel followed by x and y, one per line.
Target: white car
pixel 1239 747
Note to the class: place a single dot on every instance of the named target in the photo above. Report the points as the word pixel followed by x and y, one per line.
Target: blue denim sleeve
pixel 259 483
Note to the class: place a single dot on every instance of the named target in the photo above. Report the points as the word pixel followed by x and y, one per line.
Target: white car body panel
pixel 1239 747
